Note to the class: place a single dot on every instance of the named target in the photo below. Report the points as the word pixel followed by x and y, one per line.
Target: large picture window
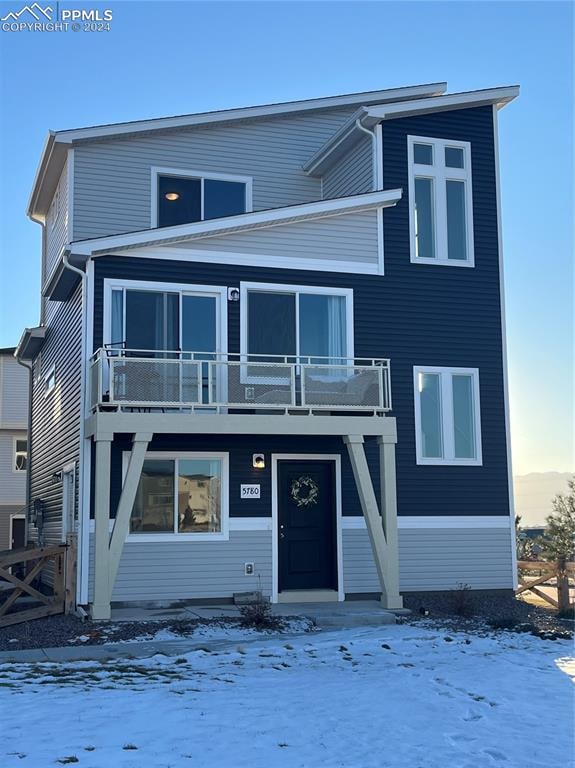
pixel 440 201
pixel 447 418
pixel 183 495
pixel 303 324
pixel 183 197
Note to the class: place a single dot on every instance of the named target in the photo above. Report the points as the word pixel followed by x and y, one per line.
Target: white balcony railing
pixel 140 379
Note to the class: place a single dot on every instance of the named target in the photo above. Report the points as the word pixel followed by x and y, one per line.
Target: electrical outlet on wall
pixel 249 569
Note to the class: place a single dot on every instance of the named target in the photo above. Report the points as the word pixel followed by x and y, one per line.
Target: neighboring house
pixel 14 397
pixel 262 329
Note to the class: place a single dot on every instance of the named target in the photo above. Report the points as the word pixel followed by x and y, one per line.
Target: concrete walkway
pixel 326 616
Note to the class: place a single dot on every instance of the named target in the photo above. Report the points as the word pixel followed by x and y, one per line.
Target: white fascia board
pixel 497 96
pixel 240 223
pixel 245 113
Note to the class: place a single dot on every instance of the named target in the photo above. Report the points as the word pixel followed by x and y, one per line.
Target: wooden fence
pixel 22 568
pixel 560 571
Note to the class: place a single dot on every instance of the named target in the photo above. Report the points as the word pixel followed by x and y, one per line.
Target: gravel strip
pixel 483 612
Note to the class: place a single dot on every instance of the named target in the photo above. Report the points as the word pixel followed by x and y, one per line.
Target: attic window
pixel 182 199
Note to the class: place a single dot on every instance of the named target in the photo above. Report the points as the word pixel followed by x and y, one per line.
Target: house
pixel 14 400
pixel 272 351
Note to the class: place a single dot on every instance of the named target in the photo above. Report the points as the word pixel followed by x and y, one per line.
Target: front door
pixel 307 545
pixel 18 540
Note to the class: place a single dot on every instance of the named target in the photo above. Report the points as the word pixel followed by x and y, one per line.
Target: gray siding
pixel 112 177
pixel 430 559
pixel 6 512
pixel 191 569
pixel 55 429
pixel 434 559
pixel 58 235
pixel 14 385
pixel 352 174
pixel 12 484
pixel 349 237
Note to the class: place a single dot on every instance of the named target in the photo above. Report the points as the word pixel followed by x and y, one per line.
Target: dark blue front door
pixel 307 544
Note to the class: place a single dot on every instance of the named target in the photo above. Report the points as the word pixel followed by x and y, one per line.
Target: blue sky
pixel 173 58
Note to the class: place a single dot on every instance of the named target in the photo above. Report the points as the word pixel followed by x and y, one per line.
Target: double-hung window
pixel 303 324
pixel 440 201
pixel 447 418
pixel 184 495
pixel 183 197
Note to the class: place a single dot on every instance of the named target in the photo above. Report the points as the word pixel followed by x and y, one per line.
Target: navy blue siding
pixel 416 315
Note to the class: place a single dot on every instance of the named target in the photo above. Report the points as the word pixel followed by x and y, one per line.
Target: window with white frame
pixel 447 416
pixel 302 323
pixel 183 197
pixel 440 201
pixel 50 380
pixel 20 454
pixel 184 494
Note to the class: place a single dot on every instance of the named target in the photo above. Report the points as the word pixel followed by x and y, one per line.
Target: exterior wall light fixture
pixel 258 461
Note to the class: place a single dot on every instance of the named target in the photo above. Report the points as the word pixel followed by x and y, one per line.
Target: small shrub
pixel 258 615
pixel 462 600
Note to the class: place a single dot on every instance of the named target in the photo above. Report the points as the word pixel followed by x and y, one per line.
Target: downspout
pixel 373 138
pixel 29 441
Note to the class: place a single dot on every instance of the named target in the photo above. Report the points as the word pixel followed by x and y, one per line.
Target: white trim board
pixel 336 458
pixel 235 524
pixel 431 522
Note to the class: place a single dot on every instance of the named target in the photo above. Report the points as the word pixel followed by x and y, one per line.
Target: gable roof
pixel 58 142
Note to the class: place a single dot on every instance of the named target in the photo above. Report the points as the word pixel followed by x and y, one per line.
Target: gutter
pixel 373 138
pixel 29 442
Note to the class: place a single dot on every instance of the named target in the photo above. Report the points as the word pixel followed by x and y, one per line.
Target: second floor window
pixel 183 199
pixel 440 201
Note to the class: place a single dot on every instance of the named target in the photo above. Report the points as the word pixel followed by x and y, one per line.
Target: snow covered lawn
pixel 404 696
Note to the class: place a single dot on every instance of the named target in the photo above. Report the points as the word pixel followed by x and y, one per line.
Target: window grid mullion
pixel 440 217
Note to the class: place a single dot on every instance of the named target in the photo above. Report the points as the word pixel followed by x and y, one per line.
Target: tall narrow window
pixel 440 201
pixel 447 418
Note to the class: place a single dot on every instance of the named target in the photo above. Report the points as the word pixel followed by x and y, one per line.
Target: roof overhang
pixel 58 142
pixel 62 281
pixel 369 116
pixel 30 343
pixel 247 221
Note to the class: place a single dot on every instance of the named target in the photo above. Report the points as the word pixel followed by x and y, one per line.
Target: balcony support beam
pixel 125 505
pixel 100 608
pixel 385 560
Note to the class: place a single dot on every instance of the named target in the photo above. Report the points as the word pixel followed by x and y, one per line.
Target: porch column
pixel 389 516
pixel 125 505
pixel 100 608
pixel 370 509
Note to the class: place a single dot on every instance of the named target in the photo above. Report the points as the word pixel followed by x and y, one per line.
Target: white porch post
pixel 100 608
pixel 389 516
pixel 125 505
pixel 369 507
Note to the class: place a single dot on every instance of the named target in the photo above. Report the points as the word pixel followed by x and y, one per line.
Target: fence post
pixel 563 586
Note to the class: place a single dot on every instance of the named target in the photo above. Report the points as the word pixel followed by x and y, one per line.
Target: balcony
pixel 145 381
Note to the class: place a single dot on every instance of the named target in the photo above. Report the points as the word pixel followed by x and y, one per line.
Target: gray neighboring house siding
pixel 352 174
pixel 112 177
pixel 351 238
pixel 56 417
pixel 58 235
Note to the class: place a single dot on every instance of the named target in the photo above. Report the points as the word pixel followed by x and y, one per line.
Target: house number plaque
pixel 251 491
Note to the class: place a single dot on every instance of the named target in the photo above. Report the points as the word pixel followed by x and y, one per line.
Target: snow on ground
pixel 381 697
